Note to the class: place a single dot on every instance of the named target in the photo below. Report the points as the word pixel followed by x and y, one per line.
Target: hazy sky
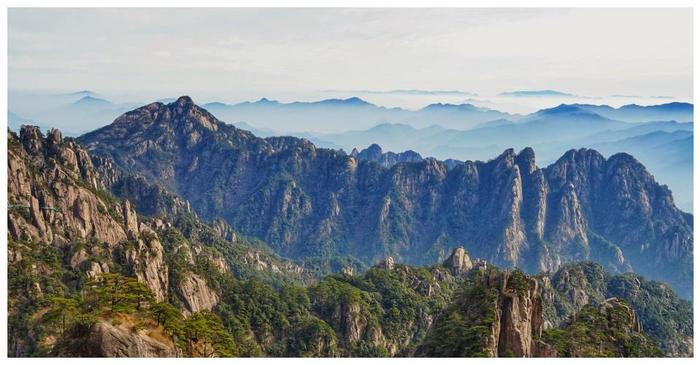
pixel 239 54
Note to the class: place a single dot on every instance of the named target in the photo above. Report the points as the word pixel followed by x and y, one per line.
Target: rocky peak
pixel 347 270
pixel 106 339
pixel 386 159
pixel 130 219
pixel 55 137
pixel 459 262
pixel 184 101
pixel 41 180
pixel 525 159
pixel 506 159
pixel 387 264
pixel 224 230
pixel 373 151
pixel 31 139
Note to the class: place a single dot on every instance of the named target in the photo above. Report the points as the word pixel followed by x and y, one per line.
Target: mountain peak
pixel 375 148
pixel 349 101
pixel 184 100
pixel 566 110
pixel 525 159
pixel 90 100
pixel 264 100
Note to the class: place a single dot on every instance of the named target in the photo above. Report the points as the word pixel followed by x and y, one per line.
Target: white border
pixel 314 3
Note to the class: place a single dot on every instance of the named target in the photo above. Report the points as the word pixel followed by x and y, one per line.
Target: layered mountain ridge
pixel 308 202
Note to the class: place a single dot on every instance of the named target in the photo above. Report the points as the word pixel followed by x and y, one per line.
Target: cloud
pixel 536 93
pixel 244 53
pixel 406 92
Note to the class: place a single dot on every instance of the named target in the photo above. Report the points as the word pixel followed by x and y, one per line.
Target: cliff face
pixel 56 198
pixel 305 201
pixel 521 323
pixel 495 314
pixel 67 232
pixel 196 294
pixel 51 188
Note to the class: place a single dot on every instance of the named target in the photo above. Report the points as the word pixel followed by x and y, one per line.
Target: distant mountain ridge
pixel 306 201
pixel 266 113
pixel 459 131
pixel 676 111
pixel 550 131
pixel 92 101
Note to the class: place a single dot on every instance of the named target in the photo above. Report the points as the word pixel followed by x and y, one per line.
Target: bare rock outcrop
pixel 108 340
pixel 387 264
pixel 196 294
pixel 459 262
pixel 147 260
pixel 51 185
pixel 521 322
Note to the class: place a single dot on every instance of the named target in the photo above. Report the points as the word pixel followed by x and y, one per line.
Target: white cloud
pixel 236 54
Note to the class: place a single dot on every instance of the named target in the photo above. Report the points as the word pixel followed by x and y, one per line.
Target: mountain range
pixel 308 202
pixel 551 132
pixel 444 131
pixel 171 233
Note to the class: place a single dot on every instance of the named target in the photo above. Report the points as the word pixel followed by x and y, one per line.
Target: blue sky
pixel 242 54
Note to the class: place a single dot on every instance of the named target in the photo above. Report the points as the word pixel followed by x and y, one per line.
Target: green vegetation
pixel 463 329
pixel 601 332
pixel 664 316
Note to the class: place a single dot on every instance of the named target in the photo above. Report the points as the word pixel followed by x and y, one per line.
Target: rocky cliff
pixel 496 314
pixel 309 202
pixel 67 234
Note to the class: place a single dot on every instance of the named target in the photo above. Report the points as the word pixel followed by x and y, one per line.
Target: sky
pixel 232 55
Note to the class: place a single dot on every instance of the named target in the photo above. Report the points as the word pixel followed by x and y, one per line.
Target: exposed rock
pixel 196 294
pixel 78 258
pixel 387 264
pixel 635 325
pixel 374 153
pixel 108 340
pixel 147 260
pixel 184 251
pixel 130 219
pixel 506 311
pixel 521 322
pixel 42 182
pixel 459 262
pixel 259 262
pixel 224 230
pixel 220 264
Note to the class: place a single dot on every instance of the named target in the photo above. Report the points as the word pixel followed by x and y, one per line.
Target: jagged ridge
pixel 306 201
